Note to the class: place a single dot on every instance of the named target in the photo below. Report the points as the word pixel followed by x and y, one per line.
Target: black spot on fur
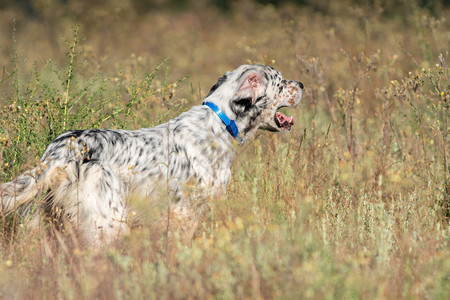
pixel 246 103
pixel 219 82
pixel 68 135
pixel 242 107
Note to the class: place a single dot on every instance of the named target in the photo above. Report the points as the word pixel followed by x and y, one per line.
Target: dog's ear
pixel 249 88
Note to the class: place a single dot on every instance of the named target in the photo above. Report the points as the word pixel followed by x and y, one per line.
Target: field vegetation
pixel 353 203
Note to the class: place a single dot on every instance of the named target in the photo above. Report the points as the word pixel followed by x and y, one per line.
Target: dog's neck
pixel 246 125
pixel 229 123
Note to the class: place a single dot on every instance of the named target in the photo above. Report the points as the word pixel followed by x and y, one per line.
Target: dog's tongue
pixel 284 121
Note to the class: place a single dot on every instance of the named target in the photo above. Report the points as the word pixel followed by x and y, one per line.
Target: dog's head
pixel 252 95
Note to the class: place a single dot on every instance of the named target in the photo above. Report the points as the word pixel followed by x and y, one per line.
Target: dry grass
pixel 353 203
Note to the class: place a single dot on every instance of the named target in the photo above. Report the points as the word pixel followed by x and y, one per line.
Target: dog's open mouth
pixel 283 121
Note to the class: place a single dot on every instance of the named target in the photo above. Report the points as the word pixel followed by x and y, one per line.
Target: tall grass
pixel 353 203
pixel 57 99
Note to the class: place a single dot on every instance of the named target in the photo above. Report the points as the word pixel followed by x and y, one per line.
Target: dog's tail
pixel 23 189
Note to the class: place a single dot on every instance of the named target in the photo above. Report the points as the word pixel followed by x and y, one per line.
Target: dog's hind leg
pixel 97 204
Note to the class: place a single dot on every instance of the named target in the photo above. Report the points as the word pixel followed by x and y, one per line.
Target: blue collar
pixel 231 125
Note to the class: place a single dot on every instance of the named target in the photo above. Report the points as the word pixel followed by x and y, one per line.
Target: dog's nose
pixel 300 84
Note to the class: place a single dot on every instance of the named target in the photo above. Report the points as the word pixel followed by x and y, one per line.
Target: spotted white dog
pixel 88 175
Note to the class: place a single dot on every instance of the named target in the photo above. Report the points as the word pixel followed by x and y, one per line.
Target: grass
pixel 353 203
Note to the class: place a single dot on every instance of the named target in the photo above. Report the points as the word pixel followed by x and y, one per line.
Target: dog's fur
pixel 88 175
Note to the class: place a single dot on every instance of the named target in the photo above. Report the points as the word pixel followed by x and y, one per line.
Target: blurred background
pixel 203 39
pixel 354 202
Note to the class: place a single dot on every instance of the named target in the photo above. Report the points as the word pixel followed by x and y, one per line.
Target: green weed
pixel 353 203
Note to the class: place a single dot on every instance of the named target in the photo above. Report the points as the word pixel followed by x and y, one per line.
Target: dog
pixel 86 176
